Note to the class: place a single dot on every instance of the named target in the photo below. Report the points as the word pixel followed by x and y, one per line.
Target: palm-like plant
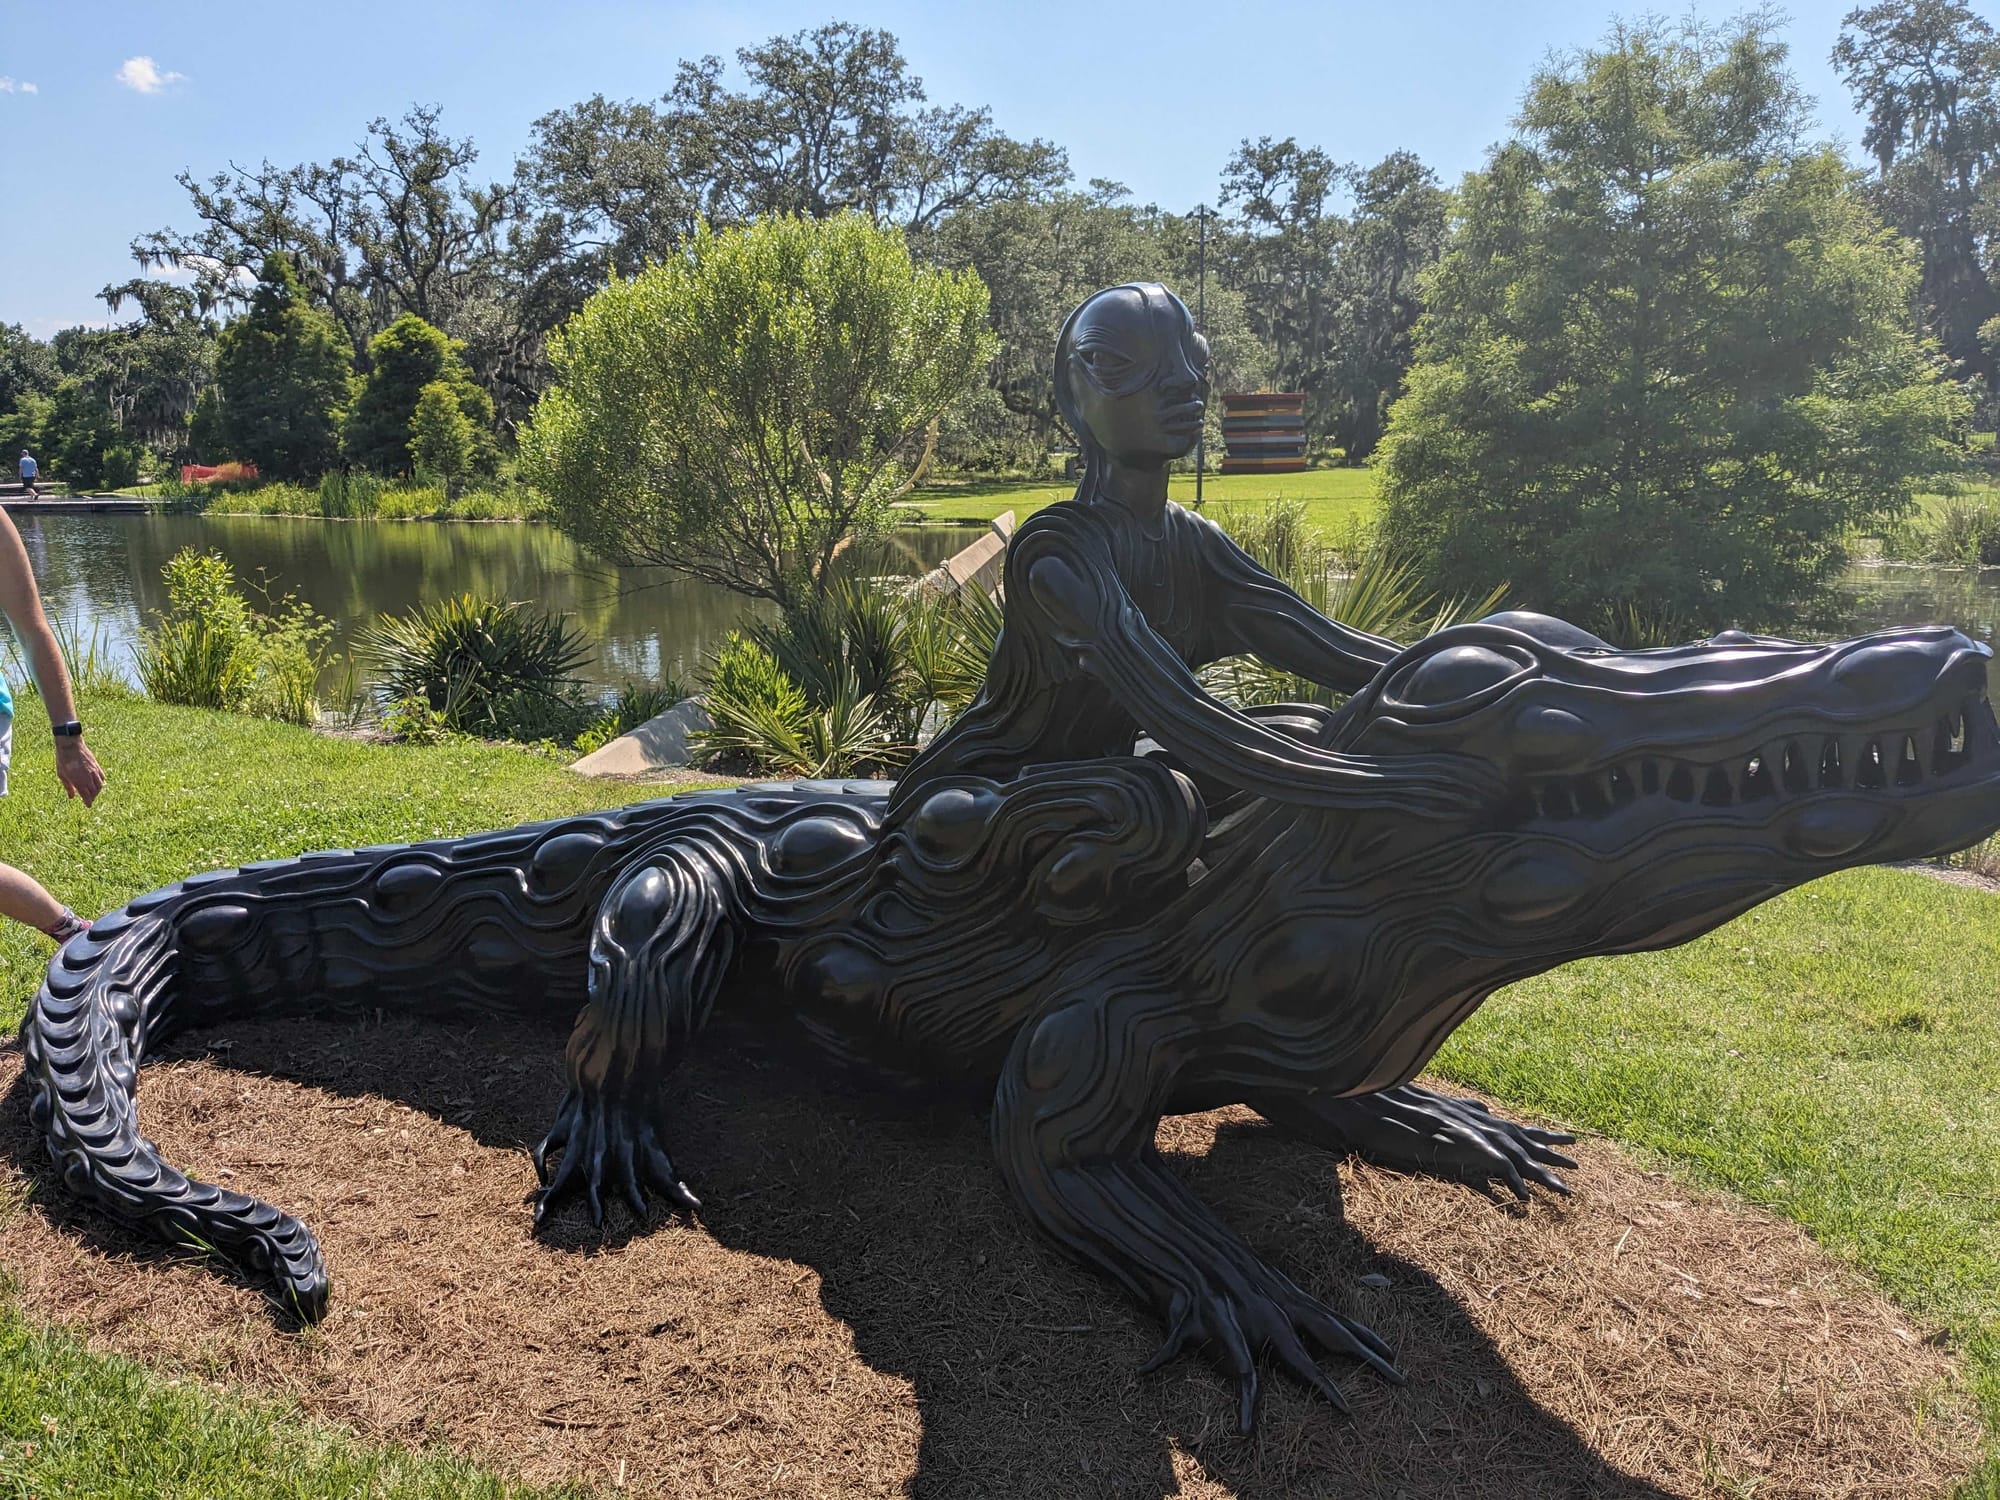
pixel 504 669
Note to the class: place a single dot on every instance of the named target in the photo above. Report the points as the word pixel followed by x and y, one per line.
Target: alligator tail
pixel 495 924
pixel 83 1040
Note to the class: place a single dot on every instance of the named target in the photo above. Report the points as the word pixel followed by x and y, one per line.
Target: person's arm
pixel 1113 642
pixel 1260 615
pixel 21 602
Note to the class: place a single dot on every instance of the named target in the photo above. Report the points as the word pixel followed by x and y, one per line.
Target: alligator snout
pixel 1880 671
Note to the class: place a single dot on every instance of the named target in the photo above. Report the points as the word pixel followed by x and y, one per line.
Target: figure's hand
pixel 77 769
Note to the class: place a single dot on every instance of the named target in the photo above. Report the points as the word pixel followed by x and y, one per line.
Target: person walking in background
pixel 22 897
pixel 29 469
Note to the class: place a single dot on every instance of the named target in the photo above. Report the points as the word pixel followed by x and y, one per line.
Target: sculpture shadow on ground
pixel 1022 1365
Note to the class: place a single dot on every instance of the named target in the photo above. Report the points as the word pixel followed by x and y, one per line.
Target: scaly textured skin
pixel 1096 944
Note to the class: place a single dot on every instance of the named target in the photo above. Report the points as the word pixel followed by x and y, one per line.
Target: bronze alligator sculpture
pixel 1287 908
pixel 1091 947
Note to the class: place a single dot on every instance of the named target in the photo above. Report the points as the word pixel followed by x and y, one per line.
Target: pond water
pixel 642 623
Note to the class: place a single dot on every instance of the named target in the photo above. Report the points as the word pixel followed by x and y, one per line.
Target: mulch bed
pixel 860 1311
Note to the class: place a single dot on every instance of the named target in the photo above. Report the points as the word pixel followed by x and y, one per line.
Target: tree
pixel 831 121
pixel 1332 294
pixel 27 366
pixel 282 371
pixel 1668 361
pixel 1395 233
pixel 154 369
pixel 404 358
pixel 441 437
pixel 742 409
pixel 399 227
pixel 1927 72
pixel 83 443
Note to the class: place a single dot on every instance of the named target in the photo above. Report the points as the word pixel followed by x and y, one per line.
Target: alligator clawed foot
pixel 1461 1138
pixel 604 1149
pixel 1411 1129
pixel 1245 1308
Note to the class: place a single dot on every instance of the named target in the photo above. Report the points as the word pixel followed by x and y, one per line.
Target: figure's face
pixel 1140 377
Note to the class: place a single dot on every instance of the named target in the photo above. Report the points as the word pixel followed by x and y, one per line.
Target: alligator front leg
pixel 1411 1129
pixel 660 948
pixel 1076 1109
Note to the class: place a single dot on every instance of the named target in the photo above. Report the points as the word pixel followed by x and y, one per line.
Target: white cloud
pixel 142 75
pixel 16 86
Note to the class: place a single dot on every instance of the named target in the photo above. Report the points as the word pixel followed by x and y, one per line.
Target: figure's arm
pixel 1114 644
pixel 1262 616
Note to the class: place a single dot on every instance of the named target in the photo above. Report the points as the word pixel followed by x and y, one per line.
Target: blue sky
pixel 102 103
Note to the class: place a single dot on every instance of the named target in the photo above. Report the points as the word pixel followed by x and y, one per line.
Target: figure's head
pixel 1132 375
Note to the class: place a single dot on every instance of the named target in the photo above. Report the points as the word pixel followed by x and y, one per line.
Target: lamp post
pixel 1201 216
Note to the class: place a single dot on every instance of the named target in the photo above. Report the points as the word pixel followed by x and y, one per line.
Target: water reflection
pixel 1879 596
pixel 643 623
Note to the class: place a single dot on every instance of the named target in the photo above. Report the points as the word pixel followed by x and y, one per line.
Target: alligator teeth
pixel 1796 777
pixel 1858 761
pixel 1869 775
pixel 1909 769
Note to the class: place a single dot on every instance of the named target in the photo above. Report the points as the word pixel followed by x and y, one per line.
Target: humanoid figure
pixel 1115 597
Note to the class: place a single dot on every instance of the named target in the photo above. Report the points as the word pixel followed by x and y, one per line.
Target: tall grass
pixel 359 496
pixel 86 657
pixel 210 649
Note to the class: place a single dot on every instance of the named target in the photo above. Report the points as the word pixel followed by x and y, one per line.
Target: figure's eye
pixel 1104 361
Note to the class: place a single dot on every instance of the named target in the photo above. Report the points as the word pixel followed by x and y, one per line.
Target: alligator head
pixel 1649 795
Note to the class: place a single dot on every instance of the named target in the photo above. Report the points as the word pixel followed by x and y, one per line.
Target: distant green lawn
pixel 1334 498
pixel 1835 1055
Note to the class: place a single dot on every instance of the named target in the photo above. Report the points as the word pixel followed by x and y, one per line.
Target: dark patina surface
pixel 1288 909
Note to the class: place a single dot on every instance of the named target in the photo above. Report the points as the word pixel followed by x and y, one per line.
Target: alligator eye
pixel 1456 673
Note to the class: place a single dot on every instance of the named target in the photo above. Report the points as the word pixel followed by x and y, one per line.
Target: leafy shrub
pixel 633 706
pixel 212 650
pixel 763 720
pixel 291 652
pixel 415 722
pixel 202 653
pixel 500 670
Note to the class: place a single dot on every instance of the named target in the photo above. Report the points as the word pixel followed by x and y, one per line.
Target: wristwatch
pixel 69 729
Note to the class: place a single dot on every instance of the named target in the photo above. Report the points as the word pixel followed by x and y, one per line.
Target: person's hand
pixel 77 769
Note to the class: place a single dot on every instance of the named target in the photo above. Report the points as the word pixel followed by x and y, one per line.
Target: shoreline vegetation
pixel 1947 528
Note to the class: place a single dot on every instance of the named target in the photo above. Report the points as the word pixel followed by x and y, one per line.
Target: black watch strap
pixel 70 729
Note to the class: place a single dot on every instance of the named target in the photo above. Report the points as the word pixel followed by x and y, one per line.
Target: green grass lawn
pixel 1334 498
pixel 1835 1055
pixel 190 789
